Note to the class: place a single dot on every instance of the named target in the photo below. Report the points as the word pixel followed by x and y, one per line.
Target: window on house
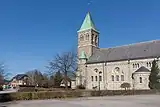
pixel 122 77
pixel 117 77
pixel 112 77
pixel 92 78
pixel 140 79
pixel 96 78
pixel 100 78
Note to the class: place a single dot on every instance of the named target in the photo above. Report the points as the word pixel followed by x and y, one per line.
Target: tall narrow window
pixel 147 64
pixel 92 78
pixel 112 77
pixel 81 38
pixel 100 78
pixel 122 77
pixel 133 66
pixel 96 78
pixel 150 64
pixel 87 36
pixel 140 79
pixel 95 39
pixel 117 77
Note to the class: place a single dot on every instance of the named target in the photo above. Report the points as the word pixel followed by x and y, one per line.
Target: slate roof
pixel 20 76
pixel 142 69
pixel 149 49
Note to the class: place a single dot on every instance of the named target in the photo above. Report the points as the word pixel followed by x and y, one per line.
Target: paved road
pixel 8 91
pixel 114 101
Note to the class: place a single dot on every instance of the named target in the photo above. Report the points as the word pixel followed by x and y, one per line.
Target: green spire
pixel 87 23
pixel 83 55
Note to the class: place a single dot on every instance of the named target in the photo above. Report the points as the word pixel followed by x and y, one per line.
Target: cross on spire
pixel 89 4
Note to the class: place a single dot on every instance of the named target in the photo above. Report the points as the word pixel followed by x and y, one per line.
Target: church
pixel 108 68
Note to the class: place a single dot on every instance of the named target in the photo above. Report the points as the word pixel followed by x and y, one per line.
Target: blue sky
pixel 33 31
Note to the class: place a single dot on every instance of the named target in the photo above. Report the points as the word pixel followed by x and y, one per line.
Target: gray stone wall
pixel 121 71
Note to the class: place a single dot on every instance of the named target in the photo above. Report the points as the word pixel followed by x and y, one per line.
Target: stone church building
pixel 108 68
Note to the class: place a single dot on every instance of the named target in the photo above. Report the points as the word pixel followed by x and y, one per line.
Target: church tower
pixel 88 42
pixel 88 37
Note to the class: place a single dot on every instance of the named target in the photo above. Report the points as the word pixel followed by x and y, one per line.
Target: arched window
pixel 122 77
pixel 136 65
pixel 87 36
pixel 112 77
pixel 133 65
pixel 140 79
pixel 117 77
pixel 92 78
pixel 95 39
pixel 96 78
pixel 100 78
pixel 150 64
pixel 81 38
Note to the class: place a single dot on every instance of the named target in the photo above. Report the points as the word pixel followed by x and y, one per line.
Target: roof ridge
pixel 137 43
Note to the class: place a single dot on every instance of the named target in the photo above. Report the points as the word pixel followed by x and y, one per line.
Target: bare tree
pixel 3 73
pixel 66 63
pixel 35 77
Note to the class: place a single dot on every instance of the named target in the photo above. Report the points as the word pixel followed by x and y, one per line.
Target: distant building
pixel 68 82
pixel 108 68
pixel 20 79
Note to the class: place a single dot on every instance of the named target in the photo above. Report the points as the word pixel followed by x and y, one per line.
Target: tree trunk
pixel 66 81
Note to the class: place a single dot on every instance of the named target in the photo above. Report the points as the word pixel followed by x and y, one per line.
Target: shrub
pixel 1 88
pixel 81 86
pixel 125 85
pixel 73 94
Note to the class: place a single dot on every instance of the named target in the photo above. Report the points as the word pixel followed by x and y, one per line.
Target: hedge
pixel 44 95
pixel 72 94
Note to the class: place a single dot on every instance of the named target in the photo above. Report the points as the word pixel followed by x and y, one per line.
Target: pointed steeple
pixel 83 55
pixel 88 23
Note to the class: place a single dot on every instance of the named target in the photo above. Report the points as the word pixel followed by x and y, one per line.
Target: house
pixel 68 82
pixel 20 79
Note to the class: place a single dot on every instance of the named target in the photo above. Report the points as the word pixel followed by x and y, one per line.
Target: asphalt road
pixel 113 101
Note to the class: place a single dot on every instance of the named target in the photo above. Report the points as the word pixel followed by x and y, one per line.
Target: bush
pixel 44 95
pixel 73 94
pixel 1 88
pixel 81 87
pixel 125 85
